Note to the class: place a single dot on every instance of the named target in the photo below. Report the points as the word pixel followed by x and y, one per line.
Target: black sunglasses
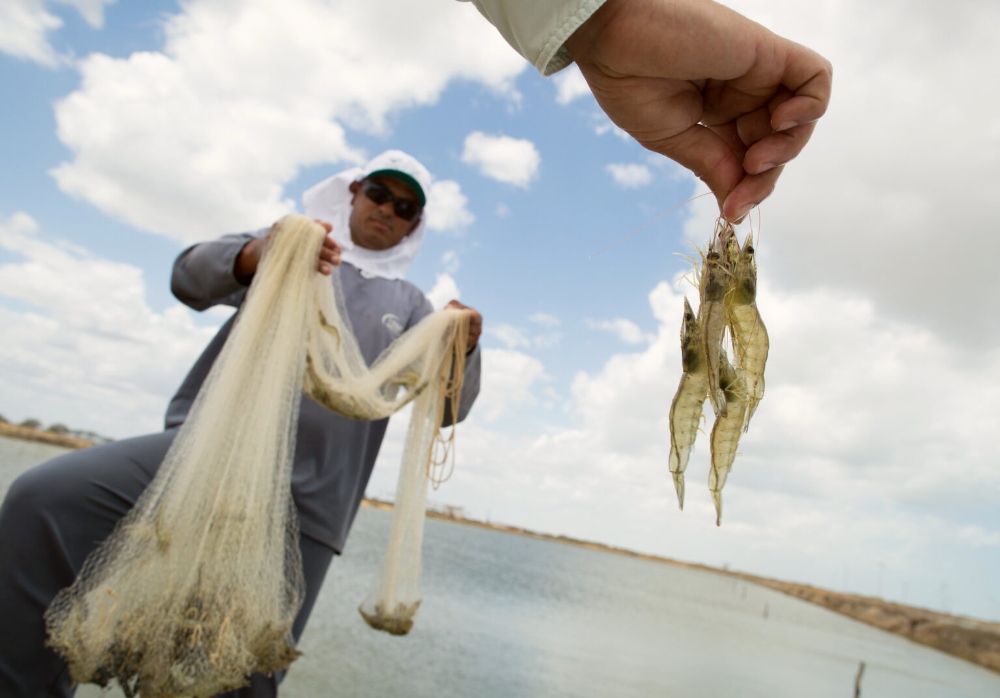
pixel 407 209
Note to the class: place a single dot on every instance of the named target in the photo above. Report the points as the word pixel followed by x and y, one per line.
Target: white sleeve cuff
pixel 538 29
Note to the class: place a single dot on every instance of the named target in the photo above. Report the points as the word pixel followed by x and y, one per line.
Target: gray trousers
pixel 51 519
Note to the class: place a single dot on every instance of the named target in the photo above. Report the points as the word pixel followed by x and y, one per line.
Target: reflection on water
pixel 507 615
pixel 17 455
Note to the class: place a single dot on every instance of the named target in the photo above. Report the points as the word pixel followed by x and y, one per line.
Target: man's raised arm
pixel 204 274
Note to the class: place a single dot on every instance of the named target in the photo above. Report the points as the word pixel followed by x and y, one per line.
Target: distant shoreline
pixel 973 640
pixel 13 431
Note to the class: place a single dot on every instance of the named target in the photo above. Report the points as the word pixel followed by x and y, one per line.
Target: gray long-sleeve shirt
pixel 334 456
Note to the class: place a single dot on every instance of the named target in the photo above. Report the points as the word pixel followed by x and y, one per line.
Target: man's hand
pixel 329 253
pixel 475 323
pixel 706 87
pixel 248 258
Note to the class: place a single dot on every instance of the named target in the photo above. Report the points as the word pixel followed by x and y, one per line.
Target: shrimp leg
pixel 685 410
pixel 726 434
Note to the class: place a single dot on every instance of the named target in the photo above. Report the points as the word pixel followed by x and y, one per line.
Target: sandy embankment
pixel 974 640
pixel 12 431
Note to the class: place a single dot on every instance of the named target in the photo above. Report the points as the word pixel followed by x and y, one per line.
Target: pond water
pixel 507 615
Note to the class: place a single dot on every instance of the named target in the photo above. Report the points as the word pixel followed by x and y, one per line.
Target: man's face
pixel 376 226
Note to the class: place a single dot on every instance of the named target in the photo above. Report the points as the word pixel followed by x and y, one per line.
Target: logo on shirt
pixel 393 324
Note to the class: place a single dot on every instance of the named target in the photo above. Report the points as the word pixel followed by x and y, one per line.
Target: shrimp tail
pixel 679 487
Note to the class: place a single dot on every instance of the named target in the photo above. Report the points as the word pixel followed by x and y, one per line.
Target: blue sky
pixel 133 129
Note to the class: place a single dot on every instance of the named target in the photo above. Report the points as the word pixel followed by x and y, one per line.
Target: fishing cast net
pixel 199 584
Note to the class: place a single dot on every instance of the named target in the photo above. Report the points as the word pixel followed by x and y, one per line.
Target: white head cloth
pixel 330 201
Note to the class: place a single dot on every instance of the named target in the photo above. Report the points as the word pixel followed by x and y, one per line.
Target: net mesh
pixel 199 584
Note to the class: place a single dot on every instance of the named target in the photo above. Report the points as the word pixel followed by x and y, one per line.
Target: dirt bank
pixel 973 640
pixel 12 431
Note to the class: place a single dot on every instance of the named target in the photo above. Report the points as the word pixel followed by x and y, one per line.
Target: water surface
pixel 506 615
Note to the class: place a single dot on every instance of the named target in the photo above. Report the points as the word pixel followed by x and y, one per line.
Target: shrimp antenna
pixel 692 274
pixel 647 224
pixel 759 226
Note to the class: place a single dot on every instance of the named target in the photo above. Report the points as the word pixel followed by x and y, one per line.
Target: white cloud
pixel 570 85
pixel 92 11
pixel 502 210
pixel 547 340
pixel 245 94
pixel 450 261
pixel 630 175
pixel 445 290
pixel 603 125
pixel 625 330
pixel 508 380
pixel 544 319
pixel 503 158
pixel 26 24
pixel 514 337
pixel 447 207
pixel 977 536
pixel 87 351
pixel 670 170
pixel 511 336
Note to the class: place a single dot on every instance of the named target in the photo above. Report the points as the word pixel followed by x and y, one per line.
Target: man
pixel 55 514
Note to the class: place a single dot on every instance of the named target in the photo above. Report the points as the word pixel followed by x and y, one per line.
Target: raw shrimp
pixel 712 316
pixel 728 242
pixel 685 410
pixel 726 433
pixel 743 269
pixel 750 341
pixel 728 290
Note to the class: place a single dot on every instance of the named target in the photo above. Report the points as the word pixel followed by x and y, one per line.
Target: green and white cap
pixel 405 168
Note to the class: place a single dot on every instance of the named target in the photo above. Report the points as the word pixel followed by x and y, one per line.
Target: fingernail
pixel 787 125
pixel 764 168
